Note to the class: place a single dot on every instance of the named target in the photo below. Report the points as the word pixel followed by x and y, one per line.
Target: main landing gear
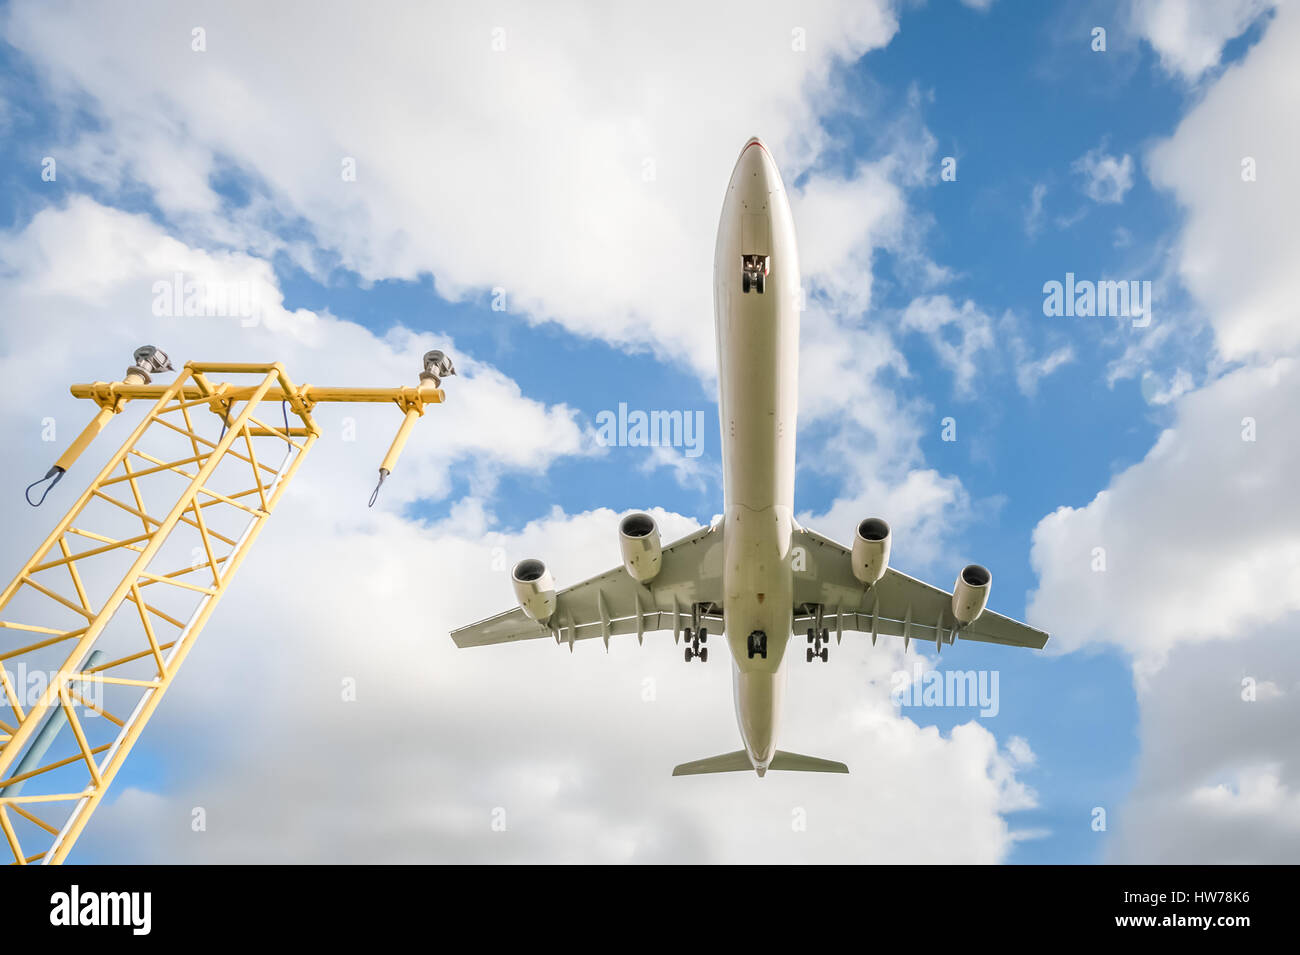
pixel 694 639
pixel 757 644
pixel 817 651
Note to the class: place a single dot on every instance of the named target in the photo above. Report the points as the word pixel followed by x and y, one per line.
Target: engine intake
pixel 871 550
pixel 534 589
pixel 970 595
pixel 638 538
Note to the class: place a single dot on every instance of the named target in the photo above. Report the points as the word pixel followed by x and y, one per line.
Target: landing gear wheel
pixel 762 281
pixel 693 640
pixel 744 282
pixel 817 638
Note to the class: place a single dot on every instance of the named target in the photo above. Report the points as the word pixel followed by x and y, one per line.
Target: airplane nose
pixel 755 175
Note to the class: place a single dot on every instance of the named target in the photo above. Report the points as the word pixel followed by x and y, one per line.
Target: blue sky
pixel 1052 143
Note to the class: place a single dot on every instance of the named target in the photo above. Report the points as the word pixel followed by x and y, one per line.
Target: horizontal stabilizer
pixel 739 761
pixel 798 763
pixel 726 763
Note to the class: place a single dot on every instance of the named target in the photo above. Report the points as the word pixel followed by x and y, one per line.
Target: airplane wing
pixel 612 603
pixel 898 605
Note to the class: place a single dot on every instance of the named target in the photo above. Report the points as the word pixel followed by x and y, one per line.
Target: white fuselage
pixel 758 372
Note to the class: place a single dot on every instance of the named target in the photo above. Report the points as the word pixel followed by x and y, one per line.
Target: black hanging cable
pixel 55 472
pixel 374 495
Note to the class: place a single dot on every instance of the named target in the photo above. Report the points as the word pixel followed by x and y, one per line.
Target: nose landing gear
pixel 753 273
pixel 817 651
pixel 756 644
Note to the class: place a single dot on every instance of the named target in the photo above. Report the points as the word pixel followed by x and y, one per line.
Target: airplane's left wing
pixel 898 605
pixel 613 603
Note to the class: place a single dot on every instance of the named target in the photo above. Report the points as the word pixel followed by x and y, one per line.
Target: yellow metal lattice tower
pixel 157 535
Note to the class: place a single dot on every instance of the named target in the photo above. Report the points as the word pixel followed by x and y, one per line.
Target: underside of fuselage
pixel 756 298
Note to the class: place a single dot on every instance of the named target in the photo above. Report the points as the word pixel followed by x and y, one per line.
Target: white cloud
pixel 867 431
pixel 1034 214
pixel 1201 539
pixel 83 277
pixel 843 221
pixel 1219 776
pixel 1106 177
pixel 589 201
pixel 959 335
pixel 566 744
pixel 1157 392
pixel 1237 252
pixel 1189 35
pixel 871 438
pixel 1029 372
pixel 255 731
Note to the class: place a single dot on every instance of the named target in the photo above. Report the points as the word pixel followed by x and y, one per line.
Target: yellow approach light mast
pixel 96 624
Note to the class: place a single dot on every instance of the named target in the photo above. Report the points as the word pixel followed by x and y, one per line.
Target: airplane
pixel 756 572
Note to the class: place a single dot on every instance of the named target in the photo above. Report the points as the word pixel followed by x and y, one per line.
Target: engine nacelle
pixel 534 589
pixel 970 595
pixel 638 538
pixel 871 550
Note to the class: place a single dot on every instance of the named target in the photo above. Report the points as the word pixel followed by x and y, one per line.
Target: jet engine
pixel 970 594
pixel 871 550
pixel 638 538
pixel 534 589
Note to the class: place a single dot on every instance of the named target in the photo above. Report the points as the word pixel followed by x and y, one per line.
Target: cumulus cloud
pixel 1132 566
pixel 1219 775
pixel 582 202
pixel 571 753
pixel 1229 166
pixel 440 744
pixel 1189 561
pixel 490 148
pixel 1189 35
pixel 86 278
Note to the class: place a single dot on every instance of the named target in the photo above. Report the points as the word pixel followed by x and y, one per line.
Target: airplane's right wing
pixel 898 605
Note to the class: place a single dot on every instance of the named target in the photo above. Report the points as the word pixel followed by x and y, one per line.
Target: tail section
pixel 739 761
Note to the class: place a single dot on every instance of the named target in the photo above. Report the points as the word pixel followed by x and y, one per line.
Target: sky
pixel 535 190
